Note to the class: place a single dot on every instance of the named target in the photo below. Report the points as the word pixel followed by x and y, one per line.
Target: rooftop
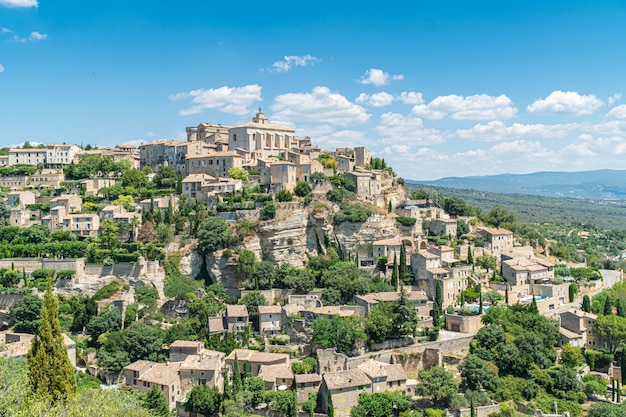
pixel 275 309
pixel 236 310
pixel 350 378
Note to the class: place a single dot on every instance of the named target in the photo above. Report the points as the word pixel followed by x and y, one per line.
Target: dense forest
pixel 529 208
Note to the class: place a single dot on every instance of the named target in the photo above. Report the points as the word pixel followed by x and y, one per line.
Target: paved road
pixel 610 278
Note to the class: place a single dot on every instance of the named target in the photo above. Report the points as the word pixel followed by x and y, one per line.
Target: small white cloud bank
pixel 378 77
pixel 1 68
pixel 232 100
pixel 320 106
pixel 565 103
pixel 36 36
pixel 291 61
pixel 19 3
pixel 476 107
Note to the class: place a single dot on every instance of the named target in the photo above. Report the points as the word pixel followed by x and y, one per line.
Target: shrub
pixel 268 211
pixel 108 290
pixel 354 213
pixel 406 221
pixel 284 196
pixel 43 273
pixel 66 274
pixel 302 189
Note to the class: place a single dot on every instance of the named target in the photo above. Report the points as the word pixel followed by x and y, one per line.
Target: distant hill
pixel 602 184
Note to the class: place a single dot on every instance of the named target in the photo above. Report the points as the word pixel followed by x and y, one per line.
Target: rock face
pixel 284 239
pixel 358 237
pixel 223 270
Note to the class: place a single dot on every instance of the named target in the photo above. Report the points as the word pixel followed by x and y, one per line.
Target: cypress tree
pixel 462 299
pixel 403 270
pixel 622 366
pixel 156 402
pixel 470 257
pixel 621 308
pixel 179 184
pixel 608 308
pixel 389 207
pixel 572 289
pixel 480 303
pixel 237 386
pixel 394 273
pixel 50 373
pixel 586 307
pixel 472 408
pixel 356 259
pixel 533 306
pixel 506 294
pixel 331 407
pixel 438 306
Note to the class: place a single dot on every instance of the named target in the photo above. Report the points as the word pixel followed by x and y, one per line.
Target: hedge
pixel 406 221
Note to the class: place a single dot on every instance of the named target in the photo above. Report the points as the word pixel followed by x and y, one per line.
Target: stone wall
pixel 482 411
pixel 523 408
pixel 9 301
pixel 121 269
pixel 410 357
pixel 29 265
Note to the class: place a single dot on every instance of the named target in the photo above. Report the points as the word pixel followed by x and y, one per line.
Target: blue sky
pixel 437 88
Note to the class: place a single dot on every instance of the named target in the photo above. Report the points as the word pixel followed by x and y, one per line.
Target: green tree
pixel 238 174
pixel 379 322
pixel 405 316
pixel 572 290
pixel 405 275
pixel 204 400
pixel 164 232
pixel 253 300
pixel 237 384
pixel 499 215
pixel 608 308
pixel 477 373
pixel 395 273
pixel 438 305
pixel 612 330
pixel 50 373
pixel 108 320
pixel 156 402
pixel 214 234
pixel 302 189
pixel 620 308
pixel 571 356
pixel 28 314
pixel 109 231
pixel 437 384
pixel 246 265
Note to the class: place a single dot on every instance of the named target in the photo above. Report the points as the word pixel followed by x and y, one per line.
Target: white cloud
pixel 567 103
pixel 320 106
pixel 497 130
pixel 411 97
pixel 379 77
pixel 476 107
pixel 614 98
pixel 19 3
pixel 5 30
pixel 36 36
pixel 375 100
pixel 233 100
pixel 617 112
pixel 294 61
pixel 341 138
pixel 1 68
pixel 395 128
pixel 520 148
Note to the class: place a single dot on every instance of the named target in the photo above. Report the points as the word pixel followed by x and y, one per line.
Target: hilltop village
pixel 251 267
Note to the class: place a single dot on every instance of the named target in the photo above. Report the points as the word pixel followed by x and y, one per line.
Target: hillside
pixel 534 208
pixel 597 185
